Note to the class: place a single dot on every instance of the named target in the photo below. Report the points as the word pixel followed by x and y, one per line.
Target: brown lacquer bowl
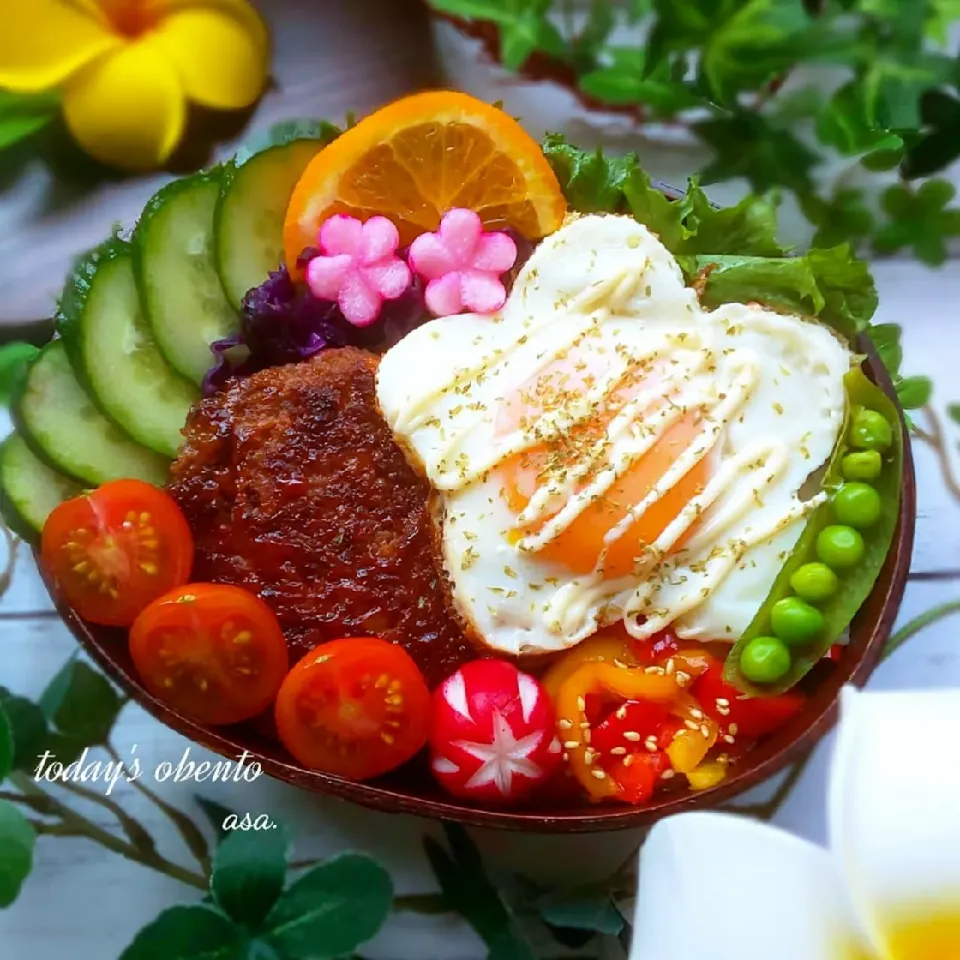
pixel 412 789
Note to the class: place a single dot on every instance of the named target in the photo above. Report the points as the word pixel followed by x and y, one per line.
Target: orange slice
pixel 418 157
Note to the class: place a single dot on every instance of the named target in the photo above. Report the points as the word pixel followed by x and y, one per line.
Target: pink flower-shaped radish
pixel 463 265
pixel 358 267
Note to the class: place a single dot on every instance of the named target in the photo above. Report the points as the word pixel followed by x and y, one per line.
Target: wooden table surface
pixel 86 904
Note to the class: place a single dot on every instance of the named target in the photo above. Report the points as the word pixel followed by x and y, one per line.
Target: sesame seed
pixel 667 775
pixel 723 711
pixel 671 667
pixel 621 713
pixel 618 751
pixel 632 735
pixel 690 725
pixel 586 735
pixel 696 714
pixel 566 757
pixel 627 761
pixel 599 774
pixel 705 730
pixel 571 744
pixel 651 745
pixel 658 670
pixel 619 663
pixel 585 725
pixel 734 728
pixel 723 702
pixel 683 678
pixel 728 739
pixel 581 704
pixel 564 724
pixel 588 758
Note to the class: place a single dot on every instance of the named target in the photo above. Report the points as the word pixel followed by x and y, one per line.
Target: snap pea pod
pixel 853 584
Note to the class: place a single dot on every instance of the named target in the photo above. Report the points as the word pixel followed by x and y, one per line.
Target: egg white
pixel 772 386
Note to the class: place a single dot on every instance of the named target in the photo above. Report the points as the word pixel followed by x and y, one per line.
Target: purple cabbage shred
pixel 281 322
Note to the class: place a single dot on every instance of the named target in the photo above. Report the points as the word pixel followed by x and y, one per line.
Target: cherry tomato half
pixel 215 653
pixel 110 552
pixel 356 708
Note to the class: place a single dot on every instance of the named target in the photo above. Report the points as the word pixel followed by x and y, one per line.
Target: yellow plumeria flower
pixel 128 67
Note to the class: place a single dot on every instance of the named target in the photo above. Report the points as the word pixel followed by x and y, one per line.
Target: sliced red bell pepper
pixel 637 775
pixel 753 717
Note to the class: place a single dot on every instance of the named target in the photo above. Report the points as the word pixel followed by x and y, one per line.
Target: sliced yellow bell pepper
pixel 573 728
pixel 601 647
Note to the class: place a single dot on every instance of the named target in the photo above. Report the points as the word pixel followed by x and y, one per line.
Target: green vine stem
pixel 136 833
pixel 936 439
pixel 918 623
pixel 189 832
pixel 81 826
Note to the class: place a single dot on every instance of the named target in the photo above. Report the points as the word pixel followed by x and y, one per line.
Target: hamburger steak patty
pixel 294 488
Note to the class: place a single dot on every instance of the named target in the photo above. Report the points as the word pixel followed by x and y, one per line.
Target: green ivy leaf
pixel 217 815
pixel 626 81
pixel 843 124
pixel 23 114
pixel 81 703
pixel 466 887
pixel 187 933
pixel 953 411
pixel 747 145
pixel 939 144
pixel 892 87
pixel 28 728
pixel 755 42
pixel 914 392
pixel 14 358
pixel 248 872
pixel 844 216
pixel 7 746
pixel 582 913
pixel 496 11
pixel 593 35
pixel 17 840
pixel 331 909
pixel 940 15
pixel 920 220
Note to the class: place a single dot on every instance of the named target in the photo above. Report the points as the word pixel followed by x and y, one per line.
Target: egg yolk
pixel 923 935
pixel 578 547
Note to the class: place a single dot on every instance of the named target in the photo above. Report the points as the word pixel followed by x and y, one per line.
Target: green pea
pixel 870 431
pixel 839 547
pixel 862 465
pixel 814 582
pixel 765 660
pixel 857 504
pixel 794 621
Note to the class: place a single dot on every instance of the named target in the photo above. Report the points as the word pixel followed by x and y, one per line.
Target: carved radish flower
pixel 493 733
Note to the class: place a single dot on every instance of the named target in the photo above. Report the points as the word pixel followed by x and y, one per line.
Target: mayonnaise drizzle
pixel 662 361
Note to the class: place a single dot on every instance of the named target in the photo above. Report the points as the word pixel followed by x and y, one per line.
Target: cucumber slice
pixel 254 194
pixel 29 489
pixel 177 273
pixel 64 428
pixel 114 354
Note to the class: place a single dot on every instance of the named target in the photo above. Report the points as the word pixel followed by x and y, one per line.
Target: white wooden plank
pixel 923 302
